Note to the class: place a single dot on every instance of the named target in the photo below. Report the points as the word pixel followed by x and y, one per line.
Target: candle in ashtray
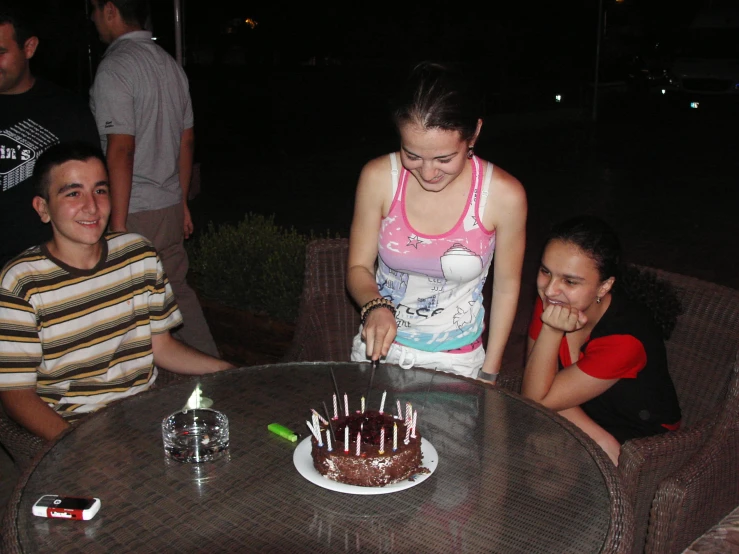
pixel 194 436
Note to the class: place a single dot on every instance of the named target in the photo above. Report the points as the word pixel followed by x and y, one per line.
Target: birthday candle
pixel 346 439
pixel 395 437
pixel 328 441
pixel 408 414
pixel 319 416
pixel 407 435
pixel 382 441
pixel 400 414
pixel 415 420
pixel 362 404
pixel 316 432
pixel 346 405
pixel 359 442
pixel 382 402
pixel 317 427
pixel 336 409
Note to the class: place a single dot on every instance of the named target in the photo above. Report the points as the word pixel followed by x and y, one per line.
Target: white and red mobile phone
pixel 66 507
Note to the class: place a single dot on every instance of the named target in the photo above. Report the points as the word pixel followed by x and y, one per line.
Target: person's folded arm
pixel 26 408
pixel 557 390
pixel 541 363
pixel 564 391
pixel 570 387
pixel 177 357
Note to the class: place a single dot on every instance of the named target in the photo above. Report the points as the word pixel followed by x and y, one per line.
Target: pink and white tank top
pixel 435 281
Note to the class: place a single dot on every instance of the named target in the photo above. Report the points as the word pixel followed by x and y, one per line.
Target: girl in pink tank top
pixel 435 281
pixel 422 242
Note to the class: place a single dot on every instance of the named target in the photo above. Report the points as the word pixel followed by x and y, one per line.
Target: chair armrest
pixel 704 490
pixel 307 344
pixel 645 462
pixel 21 444
pixel 327 319
pixel 722 537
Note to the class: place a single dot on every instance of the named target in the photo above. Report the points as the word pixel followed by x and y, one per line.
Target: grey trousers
pixel 164 228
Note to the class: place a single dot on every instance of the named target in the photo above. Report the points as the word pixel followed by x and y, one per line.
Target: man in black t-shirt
pixel 34 114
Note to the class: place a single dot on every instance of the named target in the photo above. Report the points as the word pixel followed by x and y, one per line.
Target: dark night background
pixel 290 104
pixel 514 44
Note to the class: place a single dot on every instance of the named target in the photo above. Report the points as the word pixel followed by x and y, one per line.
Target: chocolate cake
pixel 370 468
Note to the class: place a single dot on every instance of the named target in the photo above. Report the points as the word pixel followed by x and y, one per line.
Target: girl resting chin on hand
pixel 596 350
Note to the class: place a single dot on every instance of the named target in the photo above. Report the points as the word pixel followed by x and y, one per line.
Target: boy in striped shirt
pixel 85 319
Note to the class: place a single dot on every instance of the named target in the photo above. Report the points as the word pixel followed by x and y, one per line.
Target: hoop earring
pixel 470 152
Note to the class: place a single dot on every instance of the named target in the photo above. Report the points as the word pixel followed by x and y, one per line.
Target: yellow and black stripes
pixel 83 338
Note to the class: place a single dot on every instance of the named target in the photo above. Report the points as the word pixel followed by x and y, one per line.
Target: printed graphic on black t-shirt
pixel 20 146
pixel 30 123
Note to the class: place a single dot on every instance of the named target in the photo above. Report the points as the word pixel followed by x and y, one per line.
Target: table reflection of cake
pixel 367 448
pixel 461 264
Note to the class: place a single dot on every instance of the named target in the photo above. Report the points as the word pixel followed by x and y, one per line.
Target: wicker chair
pixel 23 446
pixel 328 319
pixel 20 444
pixel 695 498
pixel 702 358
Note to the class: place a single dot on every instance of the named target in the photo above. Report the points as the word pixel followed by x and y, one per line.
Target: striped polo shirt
pixel 82 338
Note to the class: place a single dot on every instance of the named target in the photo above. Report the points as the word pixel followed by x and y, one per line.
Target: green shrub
pixel 255 265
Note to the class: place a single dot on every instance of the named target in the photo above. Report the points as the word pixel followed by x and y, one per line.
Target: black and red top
pixel 626 345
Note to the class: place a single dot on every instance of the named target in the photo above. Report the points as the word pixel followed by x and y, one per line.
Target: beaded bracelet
pixel 373 304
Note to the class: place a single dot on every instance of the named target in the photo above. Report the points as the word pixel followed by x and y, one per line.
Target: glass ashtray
pixel 194 436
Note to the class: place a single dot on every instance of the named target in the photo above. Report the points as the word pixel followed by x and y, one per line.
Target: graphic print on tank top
pixel 436 281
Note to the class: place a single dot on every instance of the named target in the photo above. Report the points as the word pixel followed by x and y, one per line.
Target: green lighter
pixel 283 431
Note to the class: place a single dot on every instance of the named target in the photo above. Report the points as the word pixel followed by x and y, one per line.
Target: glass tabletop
pixel 511 476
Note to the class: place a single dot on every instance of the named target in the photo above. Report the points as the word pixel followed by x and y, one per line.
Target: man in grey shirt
pixel 141 102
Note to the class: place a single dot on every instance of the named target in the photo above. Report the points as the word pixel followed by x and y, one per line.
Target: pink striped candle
pixel 413 427
pixel 407 435
pixel 400 413
pixel 346 439
pixel 382 441
pixel 319 416
pixel 346 405
pixel 359 443
pixel 408 414
pixel 382 403
pixel 336 409
pixel 362 404
pixel 395 437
